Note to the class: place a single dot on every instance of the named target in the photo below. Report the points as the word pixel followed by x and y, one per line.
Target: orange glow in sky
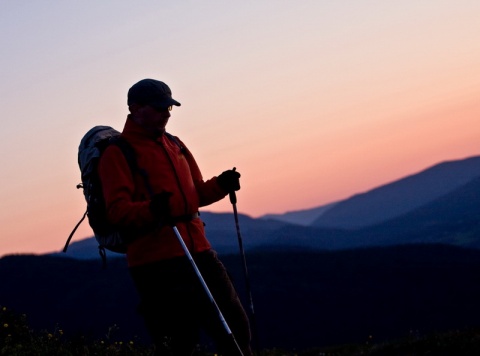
pixel 312 101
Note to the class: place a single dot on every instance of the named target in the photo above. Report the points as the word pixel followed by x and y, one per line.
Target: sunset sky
pixel 311 100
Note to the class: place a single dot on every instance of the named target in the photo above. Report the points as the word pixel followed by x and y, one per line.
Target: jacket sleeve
pixel 118 189
pixel 208 191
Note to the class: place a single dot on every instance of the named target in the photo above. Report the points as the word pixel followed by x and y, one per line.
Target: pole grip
pixel 232 195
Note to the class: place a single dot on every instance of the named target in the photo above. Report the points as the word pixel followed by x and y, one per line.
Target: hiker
pixel 167 191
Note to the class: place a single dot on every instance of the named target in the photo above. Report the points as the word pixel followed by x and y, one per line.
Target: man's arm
pixel 118 189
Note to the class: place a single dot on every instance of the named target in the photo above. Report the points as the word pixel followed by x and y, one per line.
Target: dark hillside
pixel 302 299
pixel 77 295
pixel 332 298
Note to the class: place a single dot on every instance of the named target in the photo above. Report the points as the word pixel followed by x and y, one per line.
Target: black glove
pixel 229 180
pixel 159 206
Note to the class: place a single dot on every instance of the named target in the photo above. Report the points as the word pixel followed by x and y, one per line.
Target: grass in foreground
pixel 18 339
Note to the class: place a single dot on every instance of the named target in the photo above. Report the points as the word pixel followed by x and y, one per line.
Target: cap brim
pixel 176 103
pixel 164 103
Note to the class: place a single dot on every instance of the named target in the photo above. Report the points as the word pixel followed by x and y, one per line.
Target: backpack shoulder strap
pixel 176 141
pixel 131 157
pixel 127 150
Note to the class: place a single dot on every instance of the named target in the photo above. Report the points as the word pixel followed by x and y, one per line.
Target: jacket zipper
pixel 192 243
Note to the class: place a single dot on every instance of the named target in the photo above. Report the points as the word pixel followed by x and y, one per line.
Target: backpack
pixel 91 147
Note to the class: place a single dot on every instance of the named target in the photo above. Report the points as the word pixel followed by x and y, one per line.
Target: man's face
pixel 154 120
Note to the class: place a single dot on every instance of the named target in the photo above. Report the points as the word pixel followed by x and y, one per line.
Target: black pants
pixel 175 306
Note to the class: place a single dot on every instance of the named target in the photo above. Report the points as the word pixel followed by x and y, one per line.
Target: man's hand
pixel 229 180
pixel 159 206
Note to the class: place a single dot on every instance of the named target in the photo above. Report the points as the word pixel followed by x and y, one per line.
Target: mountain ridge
pixel 446 206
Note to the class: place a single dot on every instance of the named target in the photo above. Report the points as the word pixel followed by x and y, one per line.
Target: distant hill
pixel 302 299
pixel 220 229
pixel 453 219
pixel 390 200
pixel 300 217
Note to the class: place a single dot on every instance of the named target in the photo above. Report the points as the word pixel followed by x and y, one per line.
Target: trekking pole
pixel 207 290
pixel 233 200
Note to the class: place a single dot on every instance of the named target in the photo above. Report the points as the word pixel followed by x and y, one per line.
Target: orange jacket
pixel 169 169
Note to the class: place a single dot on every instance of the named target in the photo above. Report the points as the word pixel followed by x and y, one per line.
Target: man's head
pixel 150 102
pixel 151 92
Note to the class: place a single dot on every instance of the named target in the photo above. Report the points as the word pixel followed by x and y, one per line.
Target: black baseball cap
pixel 151 92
